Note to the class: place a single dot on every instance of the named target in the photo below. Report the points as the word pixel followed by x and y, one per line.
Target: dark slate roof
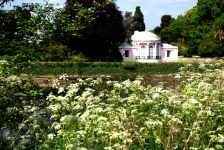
pixel 125 44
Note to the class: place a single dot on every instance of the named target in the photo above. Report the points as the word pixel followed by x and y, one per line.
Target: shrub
pixel 129 65
pixel 78 58
pixel 54 53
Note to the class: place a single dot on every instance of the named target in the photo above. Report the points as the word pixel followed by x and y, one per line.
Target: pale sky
pixel 152 10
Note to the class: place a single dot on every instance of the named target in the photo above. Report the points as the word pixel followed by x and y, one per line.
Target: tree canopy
pixel 138 20
pixel 38 26
pixel 133 23
pixel 198 32
pixel 99 39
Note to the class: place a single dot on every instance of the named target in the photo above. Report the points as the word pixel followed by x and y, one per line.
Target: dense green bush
pixel 129 65
pixel 78 58
pixel 102 68
pixel 54 53
pixel 110 68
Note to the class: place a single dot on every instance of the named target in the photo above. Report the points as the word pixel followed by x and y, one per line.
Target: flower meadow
pixel 102 114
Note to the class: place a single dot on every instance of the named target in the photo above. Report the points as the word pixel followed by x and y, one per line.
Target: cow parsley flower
pixel 69 146
pixel 115 135
pixel 117 85
pixel 63 77
pixel 56 125
pixel 50 136
pixel 13 80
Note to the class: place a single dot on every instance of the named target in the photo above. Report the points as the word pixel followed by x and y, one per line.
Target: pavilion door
pixel 143 52
pixel 150 52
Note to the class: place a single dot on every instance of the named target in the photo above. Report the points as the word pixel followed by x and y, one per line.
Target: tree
pixel 138 20
pixel 165 22
pixel 10 33
pixel 198 32
pixel 167 35
pixel 157 30
pixel 2 2
pixel 103 34
pixel 133 23
pixel 208 11
pixel 212 42
pixel 127 23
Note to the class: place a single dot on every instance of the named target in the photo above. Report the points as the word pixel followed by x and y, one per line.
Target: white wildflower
pixel 158 140
pixel 81 133
pixel 13 80
pixel 54 116
pixel 109 82
pixel 35 126
pixel 50 136
pixel 127 83
pixel 99 109
pixel 158 89
pixel 134 112
pixel 32 109
pixel 2 62
pixel 56 125
pixel 142 130
pixel 221 138
pixel 117 85
pixel 88 79
pixel 153 123
pixel 60 90
pixel 66 118
pixel 63 77
pixel 137 82
pixel 55 83
pixel 108 148
pixel 82 148
pixel 86 94
pixel 155 95
pixel 178 76
pixel 118 146
pixel 193 101
pixel 164 112
pixel 115 135
pixel 55 107
pixel 69 146
pixel 108 76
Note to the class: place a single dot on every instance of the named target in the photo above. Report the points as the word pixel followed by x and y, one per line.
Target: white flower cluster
pixel 13 80
pixel 105 114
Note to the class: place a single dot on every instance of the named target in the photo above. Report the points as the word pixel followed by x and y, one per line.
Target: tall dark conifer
pixel 138 20
pixel 133 23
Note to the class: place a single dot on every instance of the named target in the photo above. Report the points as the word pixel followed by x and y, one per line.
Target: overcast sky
pixel 151 9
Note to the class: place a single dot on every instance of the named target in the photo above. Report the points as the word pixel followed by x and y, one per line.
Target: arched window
pixel 151 52
pixel 143 47
pixel 143 52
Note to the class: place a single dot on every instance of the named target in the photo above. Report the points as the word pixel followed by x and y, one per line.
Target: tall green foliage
pixel 138 20
pixel 133 23
pixel 165 22
pixel 2 2
pixel 127 22
pixel 200 30
pixel 103 33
